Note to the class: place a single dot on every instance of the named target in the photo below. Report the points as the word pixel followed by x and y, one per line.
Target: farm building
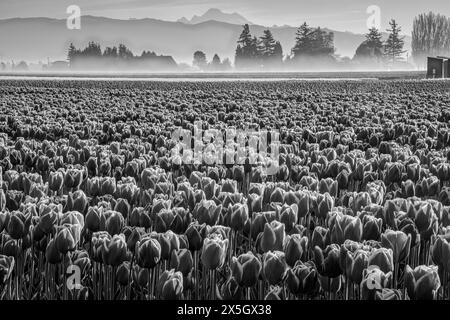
pixel 438 67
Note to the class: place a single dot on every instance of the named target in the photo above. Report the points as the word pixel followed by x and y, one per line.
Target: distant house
pixel 438 67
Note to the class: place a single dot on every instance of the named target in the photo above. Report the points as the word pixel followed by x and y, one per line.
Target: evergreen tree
pixel 124 52
pixel 111 52
pixel 303 41
pixel 372 48
pixel 394 44
pixel 71 53
pixel 268 43
pixel 216 60
pixel 247 50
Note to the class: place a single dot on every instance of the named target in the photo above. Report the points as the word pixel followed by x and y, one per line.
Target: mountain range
pixel 34 39
pixel 217 15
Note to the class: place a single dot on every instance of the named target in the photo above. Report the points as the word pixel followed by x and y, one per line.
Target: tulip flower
pixel 346 228
pixel 214 252
pixel 55 181
pixel 170 285
pixel 383 259
pixel 114 250
pixel 440 253
pixel 65 240
pixel 123 207
pixel 422 283
pixel 327 261
pixel 302 278
pixel 73 178
pixel 238 216
pixel 329 186
pixel 274 267
pixel 123 274
pixel 272 238
pixel 399 242
pixel 18 225
pixel 196 234
pixel 206 211
pixel 149 253
pixel 246 269
pixel 182 260
pixel 114 222
pixel 356 264
pixel 295 249
pixel 288 216
pixel 372 228
pixel 321 238
pixel 93 219
pixel 324 204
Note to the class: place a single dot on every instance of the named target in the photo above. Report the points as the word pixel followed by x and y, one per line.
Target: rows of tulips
pixel 358 209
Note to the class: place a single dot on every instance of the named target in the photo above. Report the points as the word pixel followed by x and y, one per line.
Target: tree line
pixel 430 37
pixel 117 57
pixel 313 46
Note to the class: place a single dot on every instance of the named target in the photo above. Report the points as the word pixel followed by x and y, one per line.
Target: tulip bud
pixel 170 285
pixel 320 238
pixel 182 261
pixel 272 238
pixel 422 283
pixel 55 181
pixel 399 242
pixel 114 250
pixel 114 223
pixel 288 216
pixel 196 234
pixel 214 252
pixel 206 211
pixel 383 259
pixel 238 215
pixel 149 253
pixel 302 279
pixel 295 249
pixel 274 267
pixel 327 261
pixel 65 240
pixel 18 225
pixel 246 269
pixel 123 274
pixel 93 219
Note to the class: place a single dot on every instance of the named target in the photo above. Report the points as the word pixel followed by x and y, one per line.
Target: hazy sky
pixel 344 15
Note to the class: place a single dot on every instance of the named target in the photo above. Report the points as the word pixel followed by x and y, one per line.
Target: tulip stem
pixel 151 276
pixel 196 253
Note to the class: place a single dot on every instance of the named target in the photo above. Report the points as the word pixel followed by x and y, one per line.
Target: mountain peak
pixel 216 15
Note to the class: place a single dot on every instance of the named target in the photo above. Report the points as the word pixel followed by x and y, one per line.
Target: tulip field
pixel 95 204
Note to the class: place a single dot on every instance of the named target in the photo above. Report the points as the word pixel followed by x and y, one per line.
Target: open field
pixel 93 183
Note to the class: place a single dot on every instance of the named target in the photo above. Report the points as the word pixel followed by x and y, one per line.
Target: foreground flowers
pixel 355 205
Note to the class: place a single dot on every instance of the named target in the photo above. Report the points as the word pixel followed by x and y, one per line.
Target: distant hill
pixel 34 39
pixel 216 15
